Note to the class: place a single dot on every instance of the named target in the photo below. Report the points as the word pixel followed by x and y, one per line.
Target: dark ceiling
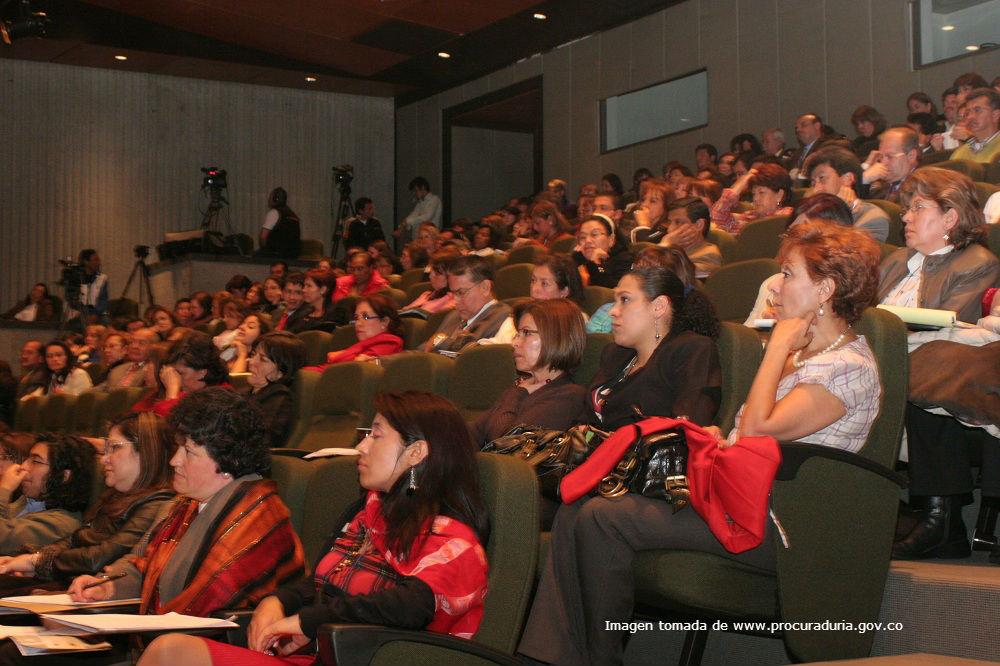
pixel 371 47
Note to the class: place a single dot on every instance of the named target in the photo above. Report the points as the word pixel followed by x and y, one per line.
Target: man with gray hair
pixel 773 141
pixel 886 168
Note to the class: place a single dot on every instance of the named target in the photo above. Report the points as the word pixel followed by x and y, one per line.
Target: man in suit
pixel 897 156
pixel 478 316
pixel 809 132
pixel 132 371
pixel 32 373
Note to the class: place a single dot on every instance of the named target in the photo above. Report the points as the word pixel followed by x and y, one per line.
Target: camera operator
pixel 363 229
pixel 281 234
pixel 93 288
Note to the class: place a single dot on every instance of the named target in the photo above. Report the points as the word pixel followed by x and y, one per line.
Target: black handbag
pixel 553 453
pixel 653 466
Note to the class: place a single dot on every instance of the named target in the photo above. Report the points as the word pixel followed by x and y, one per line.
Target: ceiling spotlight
pixel 972 47
pixel 539 16
pixel 121 57
pixel 311 79
pixel 946 28
pixel 444 54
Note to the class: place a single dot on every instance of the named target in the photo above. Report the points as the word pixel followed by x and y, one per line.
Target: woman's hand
pixel 641 215
pixel 847 195
pixel 22 565
pixel 77 591
pixel 285 636
pixel 743 182
pixel 12 478
pixel 792 334
pixel 242 351
pixel 171 381
pixel 595 254
pixel 268 612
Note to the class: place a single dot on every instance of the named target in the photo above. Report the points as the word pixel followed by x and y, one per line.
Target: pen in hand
pixel 107 579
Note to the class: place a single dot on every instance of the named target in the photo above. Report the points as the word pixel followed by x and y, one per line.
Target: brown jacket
pixel 954 281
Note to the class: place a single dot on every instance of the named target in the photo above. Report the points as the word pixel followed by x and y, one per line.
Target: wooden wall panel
pixel 848 61
pixel 757 56
pixel 557 104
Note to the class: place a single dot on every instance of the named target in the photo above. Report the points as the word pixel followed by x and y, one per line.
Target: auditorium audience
pixel 254 325
pixel 192 365
pixel 835 170
pixel 276 358
pixel 556 276
pixel 945 264
pixel 548 224
pixel 201 309
pixel 379 331
pixel 271 294
pixel 869 124
pixel 438 298
pixel 362 278
pixel 478 317
pixel 55 479
pixel 885 169
pixel 423 526
pixel 33 374
pixel 319 312
pixel 601 254
pixel 688 223
pixel 36 306
pixel 59 372
pixel 163 321
pixel 135 469
pixel 293 304
pixel 132 371
pixel 771 188
pixel 981 117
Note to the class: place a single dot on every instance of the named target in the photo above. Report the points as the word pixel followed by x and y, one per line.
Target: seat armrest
pixel 794 454
pixel 236 635
pixel 347 644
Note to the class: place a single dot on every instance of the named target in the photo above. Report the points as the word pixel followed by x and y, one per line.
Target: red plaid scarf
pixel 448 558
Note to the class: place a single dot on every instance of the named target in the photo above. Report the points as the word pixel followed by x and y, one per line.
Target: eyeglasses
pixel 915 208
pixel 593 235
pixel 461 293
pixel 890 156
pixel 365 316
pixel 113 446
pixel 36 460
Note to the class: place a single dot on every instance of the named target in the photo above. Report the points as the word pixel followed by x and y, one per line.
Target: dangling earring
pixel 821 312
pixel 412 487
pixel 656 328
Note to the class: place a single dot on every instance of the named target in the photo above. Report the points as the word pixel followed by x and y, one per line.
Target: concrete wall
pixel 488 166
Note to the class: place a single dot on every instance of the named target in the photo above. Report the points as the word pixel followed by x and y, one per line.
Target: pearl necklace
pixel 796 363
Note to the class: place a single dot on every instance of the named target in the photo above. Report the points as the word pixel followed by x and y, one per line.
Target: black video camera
pixel 215 178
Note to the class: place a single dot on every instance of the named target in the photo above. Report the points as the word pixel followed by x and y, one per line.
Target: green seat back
pixel 413 331
pixel 594 297
pixel 984 191
pixel 526 254
pixel 411 277
pixel 480 375
pixel 55 412
pixel 342 338
pixel 317 345
pixel 415 289
pixel 895 213
pixel 725 241
pixel 342 402
pixel 397 296
pixel 760 239
pixel 513 280
pixel 86 413
pixel 973 170
pixel 416 371
pixel 886 335
pixel 591 360
pixel 564 246
pixel 993 238
pixel 331 488
pixel 740 353
pixel 292 474
pixel 26 416
pixel 885 250
pixel 733 288
pixel 303 392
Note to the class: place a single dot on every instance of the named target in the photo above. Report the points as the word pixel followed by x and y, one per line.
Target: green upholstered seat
pixel 513 280
pixel 481 373
pixel 415 289
pixel 973 170
pixel 740 353
pixel 725 241
pixel 760 239
pixel 317 345
pixel 416 371
pixel 594 297
pixel 85 416
pixel 591 361
pixel 895 213
pixel 526 254
pixel 341 403
pixel 733 287
pixel 413 331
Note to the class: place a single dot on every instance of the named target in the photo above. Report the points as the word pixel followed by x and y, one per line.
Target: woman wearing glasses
pixel 55 481
pixel 379 330
pixel 945 264
pixel 275 360
pixel 547 348
pixel 601 254
pixel 134 464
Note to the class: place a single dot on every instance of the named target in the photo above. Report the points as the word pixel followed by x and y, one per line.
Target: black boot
pixel 984 538
pixel 940 534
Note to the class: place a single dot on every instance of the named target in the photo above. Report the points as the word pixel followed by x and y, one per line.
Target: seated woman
pixel 818 382
pixel 255 296
pixel 486 241
pixel 317 291
pixel 59 372
pixel 381 250
pixel 548 224
pixel 275 360
pixel 547 348
pixel 771 187
pixel 163 321
pixel 651 213
pixel 556 276
pixel 201 308
pixel 379 331
pixel 235 355
pixel 36 306
pixel 136 472
pixel 438 297
pixel 417 534
pixel 413 256
pixel 945 264
pixel 191 365
pixel 601 254
pixel 229 526
pixel 271 292
pixel 234 311
pixel 55 480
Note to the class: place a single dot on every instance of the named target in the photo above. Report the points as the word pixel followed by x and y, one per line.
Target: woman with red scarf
pixel 410 554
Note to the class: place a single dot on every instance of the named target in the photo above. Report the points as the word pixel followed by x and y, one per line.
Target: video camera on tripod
pixel 215 183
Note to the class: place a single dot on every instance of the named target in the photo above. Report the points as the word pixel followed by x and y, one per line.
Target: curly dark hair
pixel 230 427
pixel 75 455
pixel 198 352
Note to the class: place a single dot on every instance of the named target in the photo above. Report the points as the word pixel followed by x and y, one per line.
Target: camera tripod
pixel 344 212
pixel 142 270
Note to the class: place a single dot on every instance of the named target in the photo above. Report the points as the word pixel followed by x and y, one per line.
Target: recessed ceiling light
pixel 444 54
pixel 972 47
pixel 946 28
pixel 539 16
pixel 121 57
pixel 311 79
